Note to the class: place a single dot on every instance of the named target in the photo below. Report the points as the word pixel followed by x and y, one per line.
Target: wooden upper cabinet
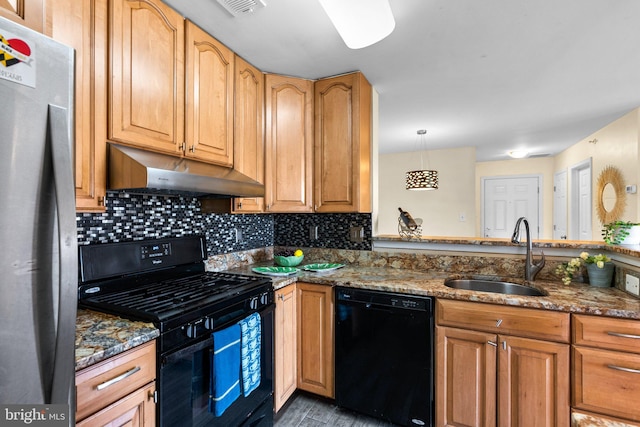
pixel 289 144
pixel 342 181
pixel 30 13
pixel 83 26
pixel 249 131
pixel 209 98
pixel 146 95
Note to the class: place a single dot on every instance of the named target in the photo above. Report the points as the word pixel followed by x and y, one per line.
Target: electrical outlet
pixel 632 284
pixel 238 235
pixel 313 232
pixel 356 234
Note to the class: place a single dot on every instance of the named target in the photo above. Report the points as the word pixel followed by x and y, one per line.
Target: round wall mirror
pixel 610 195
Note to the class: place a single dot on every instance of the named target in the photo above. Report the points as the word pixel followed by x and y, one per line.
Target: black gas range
pixel 164 281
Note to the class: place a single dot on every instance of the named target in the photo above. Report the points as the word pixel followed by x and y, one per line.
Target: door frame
pixel 574 197
pixel 538 176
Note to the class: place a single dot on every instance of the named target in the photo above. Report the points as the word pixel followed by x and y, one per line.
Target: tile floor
pixel 309 411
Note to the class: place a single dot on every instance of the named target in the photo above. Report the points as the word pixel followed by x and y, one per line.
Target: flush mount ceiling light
pixel 423 179
pixel 518 154
pixel 360 23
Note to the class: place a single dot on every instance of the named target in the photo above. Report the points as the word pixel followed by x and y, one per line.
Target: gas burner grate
pixel 170 298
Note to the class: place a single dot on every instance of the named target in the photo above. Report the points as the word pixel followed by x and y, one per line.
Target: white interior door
pixel 505 199
pixel 560 204
pixel 580 219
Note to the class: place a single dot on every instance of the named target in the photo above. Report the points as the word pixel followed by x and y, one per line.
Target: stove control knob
pixel 264 299
pixel 253 303
pixel 208 323
pixel 192 328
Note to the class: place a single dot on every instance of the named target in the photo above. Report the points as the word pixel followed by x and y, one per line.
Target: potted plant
pixel 621 232
pixel 599 268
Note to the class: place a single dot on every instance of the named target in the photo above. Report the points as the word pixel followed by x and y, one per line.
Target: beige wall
pixel 439 209
pixel 616 145
pixel 459 175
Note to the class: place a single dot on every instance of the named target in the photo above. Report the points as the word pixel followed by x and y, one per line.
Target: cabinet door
pixel 342 172
pixel 315 339
pixel 286 373
pixel 209 97
pixel 466 378
pixel 533 384
pixel 147 75
pixel 30 13
pixel 83 26
pixel 248 132
pixel 289 144
pixel 136 409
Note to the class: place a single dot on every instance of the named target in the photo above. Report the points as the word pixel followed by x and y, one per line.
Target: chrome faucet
pixel 530 268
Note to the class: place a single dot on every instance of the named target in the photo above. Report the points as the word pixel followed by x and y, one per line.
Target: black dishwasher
pixel 384 355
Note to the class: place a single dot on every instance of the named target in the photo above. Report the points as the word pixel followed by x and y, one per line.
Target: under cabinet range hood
pixel 138 171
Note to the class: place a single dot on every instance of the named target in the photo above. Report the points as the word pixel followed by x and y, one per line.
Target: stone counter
pixel 100 336
pixel 575 298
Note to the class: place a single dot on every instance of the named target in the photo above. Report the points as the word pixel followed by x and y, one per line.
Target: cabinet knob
pixel 192 148
pixel 492 343
pixel 498 323
pixel 281 297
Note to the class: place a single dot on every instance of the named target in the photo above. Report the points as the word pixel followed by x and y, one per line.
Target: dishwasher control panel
pixel 384 299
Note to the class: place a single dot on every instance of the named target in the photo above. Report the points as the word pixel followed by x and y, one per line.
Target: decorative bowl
pixel 288 261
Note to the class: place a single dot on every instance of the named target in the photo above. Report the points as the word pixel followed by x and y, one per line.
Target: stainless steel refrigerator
pixel 38 252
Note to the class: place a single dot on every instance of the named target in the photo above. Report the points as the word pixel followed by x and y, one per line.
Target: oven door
pixel 184 378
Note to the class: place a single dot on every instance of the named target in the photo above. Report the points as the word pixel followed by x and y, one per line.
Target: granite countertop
pixel 574 298
pixel 100 336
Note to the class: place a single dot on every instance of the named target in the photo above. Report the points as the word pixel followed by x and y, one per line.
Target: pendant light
pixel 423 179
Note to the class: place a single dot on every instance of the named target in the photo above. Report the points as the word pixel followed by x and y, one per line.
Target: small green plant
pixel 615 232
pixel 569 269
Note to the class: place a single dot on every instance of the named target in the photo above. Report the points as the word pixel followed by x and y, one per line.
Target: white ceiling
pixel 496 74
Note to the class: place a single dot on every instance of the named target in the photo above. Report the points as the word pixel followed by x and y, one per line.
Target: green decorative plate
pixel 322 267
pixel 275 271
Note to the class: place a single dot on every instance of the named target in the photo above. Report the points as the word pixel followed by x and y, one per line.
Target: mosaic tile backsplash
pixel 136 217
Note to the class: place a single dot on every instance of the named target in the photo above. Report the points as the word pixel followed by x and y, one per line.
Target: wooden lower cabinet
pixel 286 372
pixel 606 367
pixel 136 409
pixel 466 378
pixel 315 339
pixel 119 390
pixel 487 378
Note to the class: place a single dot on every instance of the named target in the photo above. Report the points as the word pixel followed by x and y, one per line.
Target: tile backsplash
pixel 136 217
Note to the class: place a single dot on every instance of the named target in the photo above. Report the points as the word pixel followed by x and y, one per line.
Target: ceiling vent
pixel 241 7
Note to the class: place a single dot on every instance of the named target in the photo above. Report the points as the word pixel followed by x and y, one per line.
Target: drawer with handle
pixel 606 382
pixel 104 383
pixel 606 332
pixel 500 319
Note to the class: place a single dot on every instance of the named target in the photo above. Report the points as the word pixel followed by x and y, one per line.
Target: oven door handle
pixel 177 355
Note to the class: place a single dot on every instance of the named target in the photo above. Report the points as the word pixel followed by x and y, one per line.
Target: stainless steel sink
pixel 499 287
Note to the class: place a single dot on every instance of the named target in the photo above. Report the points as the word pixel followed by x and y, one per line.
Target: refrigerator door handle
pixel 59 129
